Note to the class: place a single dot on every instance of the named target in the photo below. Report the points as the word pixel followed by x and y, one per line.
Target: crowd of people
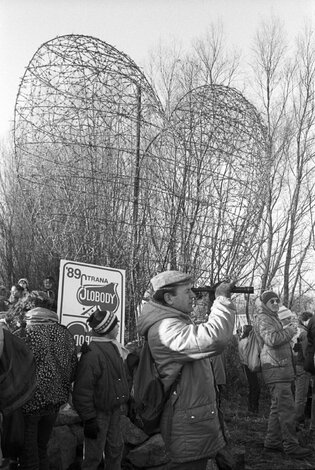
pixel 188 357
pixel 29 316
pixel 287 369
pixel 20 292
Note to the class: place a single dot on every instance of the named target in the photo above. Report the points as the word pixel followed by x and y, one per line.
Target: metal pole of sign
pixel 136 191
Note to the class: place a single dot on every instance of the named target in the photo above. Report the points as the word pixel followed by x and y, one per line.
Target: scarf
pixel 122 350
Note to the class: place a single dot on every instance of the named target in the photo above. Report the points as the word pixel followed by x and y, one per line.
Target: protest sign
pixel 85 287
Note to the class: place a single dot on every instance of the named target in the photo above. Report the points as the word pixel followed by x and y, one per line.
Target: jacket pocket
pixel 199 413
pixel 275 358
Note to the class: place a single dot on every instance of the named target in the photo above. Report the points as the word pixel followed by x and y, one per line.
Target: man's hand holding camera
pixel 224 289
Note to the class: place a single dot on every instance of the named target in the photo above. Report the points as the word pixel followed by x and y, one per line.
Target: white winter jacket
pixel 190 423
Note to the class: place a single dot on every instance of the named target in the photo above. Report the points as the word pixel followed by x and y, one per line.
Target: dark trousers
pixel 253 389
pixel 109 441
pixel 37 431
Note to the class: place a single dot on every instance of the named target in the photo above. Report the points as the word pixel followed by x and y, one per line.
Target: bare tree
pixel 210 162
pixel 19 256
pixel 217 65
pixel 283 103
pixel 302 169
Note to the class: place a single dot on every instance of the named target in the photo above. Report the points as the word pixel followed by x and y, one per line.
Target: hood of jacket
pixel 264 309
pixel 153 312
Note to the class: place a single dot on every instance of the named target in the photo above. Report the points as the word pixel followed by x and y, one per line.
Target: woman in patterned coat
pixel 56 360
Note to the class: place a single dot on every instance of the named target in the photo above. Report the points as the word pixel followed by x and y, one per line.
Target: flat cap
pixel 167 278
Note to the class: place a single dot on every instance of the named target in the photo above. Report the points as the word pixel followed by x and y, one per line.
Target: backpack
pixel 252 352
pixel 148 393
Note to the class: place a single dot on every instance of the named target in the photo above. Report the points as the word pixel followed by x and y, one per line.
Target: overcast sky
pixel 132 26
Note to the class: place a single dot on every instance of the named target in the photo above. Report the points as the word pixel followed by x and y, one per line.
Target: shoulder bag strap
pixel 1 339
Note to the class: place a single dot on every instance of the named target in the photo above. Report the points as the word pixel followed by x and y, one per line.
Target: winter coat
pixel 17 372
pixel 276 354
pixel 190 423
pixel 101 381
pixel 310 348
pixel 300 346
pixel 55 357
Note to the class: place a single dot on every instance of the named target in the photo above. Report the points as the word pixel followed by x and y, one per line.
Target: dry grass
pixel 247 436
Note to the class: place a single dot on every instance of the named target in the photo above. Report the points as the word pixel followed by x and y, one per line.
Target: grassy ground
pixel 247 436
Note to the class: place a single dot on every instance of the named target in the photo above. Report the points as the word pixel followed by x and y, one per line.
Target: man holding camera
pixel 191 424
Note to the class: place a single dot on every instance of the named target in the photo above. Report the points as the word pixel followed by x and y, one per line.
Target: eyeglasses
pixel 274 301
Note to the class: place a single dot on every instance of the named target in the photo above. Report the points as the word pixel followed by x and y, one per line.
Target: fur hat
pixel 167 278
pixel 102 321
pixel 267 295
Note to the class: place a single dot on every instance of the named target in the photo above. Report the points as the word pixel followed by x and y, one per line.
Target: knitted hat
pixel 102 322
pixel 23 280
pixel 167 278
pixel 267 295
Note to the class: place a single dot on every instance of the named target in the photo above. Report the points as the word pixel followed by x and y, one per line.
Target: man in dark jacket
pixel 190 425
pixel 302 378
pixel 100 388
pixel 18 382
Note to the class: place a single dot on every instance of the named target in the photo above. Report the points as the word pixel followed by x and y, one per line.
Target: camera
pixel 198 291
pixel 234 290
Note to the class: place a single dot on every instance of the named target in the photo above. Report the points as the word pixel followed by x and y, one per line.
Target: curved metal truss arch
pixel 125 186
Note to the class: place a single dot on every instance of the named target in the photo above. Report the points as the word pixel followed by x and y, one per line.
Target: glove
pixel 224 289
pixel 91 428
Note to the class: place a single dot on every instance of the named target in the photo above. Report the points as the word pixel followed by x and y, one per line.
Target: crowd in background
pixel 184 348
pixel 287 341
pixel 36 344
pixel 20 292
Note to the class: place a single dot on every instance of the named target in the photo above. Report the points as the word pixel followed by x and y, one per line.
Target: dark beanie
pixel 267 295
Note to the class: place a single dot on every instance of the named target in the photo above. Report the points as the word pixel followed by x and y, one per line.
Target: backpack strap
pixel 259 339
pixel 176 381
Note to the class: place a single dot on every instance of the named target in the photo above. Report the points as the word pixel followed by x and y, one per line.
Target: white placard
pixel 85 287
